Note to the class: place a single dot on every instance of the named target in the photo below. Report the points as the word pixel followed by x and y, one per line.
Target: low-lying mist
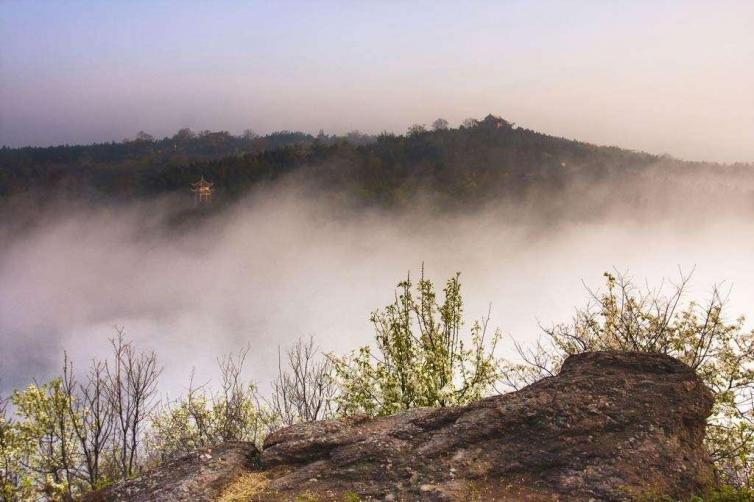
pixel 286 263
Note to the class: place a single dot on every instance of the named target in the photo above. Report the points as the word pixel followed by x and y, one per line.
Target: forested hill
pixel 481 159
pixel 122 167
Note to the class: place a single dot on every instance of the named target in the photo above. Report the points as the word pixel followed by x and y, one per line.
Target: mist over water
pixel 285 263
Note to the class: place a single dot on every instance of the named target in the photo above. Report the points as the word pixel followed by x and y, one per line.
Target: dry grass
pixel 245 487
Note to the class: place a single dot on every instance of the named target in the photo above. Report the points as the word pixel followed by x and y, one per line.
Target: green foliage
pixel 625 318
pixel 421 358
pixel 727 494
pixel 45 428
pixel 307 496
pixel 66 437
pixel 14 454
pixel 200 419
pixel 351 497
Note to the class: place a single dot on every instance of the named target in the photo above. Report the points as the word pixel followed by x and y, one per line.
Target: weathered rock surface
pixel 202 475
pixel 610 426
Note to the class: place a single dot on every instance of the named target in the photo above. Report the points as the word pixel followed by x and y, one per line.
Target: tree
pixel 305 390
pixel 249 135
pixel 627 318
pixel 184 134
pixel 421 359
pixel 358 138
pixel 65 439
pixel 236 410
pixel 440 124
pixel 416 129
pixel 143 136
pixel 470 123
pixel 131 389
pixel 91 418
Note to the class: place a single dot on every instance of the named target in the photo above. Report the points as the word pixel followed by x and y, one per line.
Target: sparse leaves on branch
pixel 304 390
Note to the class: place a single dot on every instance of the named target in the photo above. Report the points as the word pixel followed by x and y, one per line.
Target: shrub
pixel 202 419
pixel 421 357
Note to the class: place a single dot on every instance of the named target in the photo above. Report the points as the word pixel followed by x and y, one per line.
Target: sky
pixel 660 76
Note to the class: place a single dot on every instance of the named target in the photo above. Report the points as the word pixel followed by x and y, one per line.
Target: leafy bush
pixel 727 494
pixel 202 419
pixel 421 358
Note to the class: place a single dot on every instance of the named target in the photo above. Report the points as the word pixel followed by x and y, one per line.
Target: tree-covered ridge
pixel 474 155
pixel 117 165
pixel 487 163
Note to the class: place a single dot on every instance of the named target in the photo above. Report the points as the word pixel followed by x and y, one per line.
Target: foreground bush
pixel 421 356
pixel 201 418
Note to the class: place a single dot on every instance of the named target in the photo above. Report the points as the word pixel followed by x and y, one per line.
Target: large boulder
pixel 609 426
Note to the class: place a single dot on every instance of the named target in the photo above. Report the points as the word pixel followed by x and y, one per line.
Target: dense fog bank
pixel 286 263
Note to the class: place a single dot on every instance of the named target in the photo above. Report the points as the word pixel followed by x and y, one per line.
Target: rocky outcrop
pixel 202 475
pixel 609 426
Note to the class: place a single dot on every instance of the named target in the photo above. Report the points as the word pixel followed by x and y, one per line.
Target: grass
pixel 244 487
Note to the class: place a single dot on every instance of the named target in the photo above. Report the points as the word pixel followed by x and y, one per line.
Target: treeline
pixel 491 153
pixel 83 431
pixel 117 166
pixel 468 167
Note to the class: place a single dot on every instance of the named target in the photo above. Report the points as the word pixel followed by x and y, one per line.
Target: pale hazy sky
pixel 671 77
